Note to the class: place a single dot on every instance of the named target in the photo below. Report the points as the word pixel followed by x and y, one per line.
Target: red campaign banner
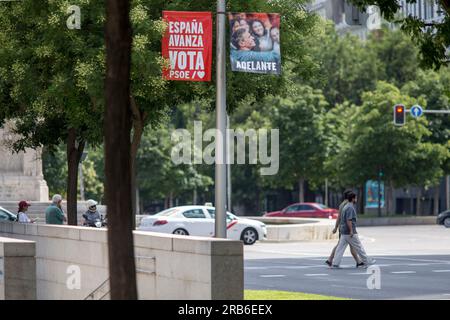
pixel 187 44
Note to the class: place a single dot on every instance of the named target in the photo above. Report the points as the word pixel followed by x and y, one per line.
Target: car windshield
pixel 167 212
pixel 6 215
pixel 322 206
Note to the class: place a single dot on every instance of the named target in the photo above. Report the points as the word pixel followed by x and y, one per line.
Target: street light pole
pixel 447 193
pixel 80 175
pixel 229 153
pixel 379 193
pixel 221 115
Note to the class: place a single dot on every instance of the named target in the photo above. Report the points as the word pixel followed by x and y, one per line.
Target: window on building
pixel 419 8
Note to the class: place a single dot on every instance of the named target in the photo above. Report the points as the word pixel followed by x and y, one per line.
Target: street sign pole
pixel 221 115
pixel 437 111
pixel 379 193
pixel 429 111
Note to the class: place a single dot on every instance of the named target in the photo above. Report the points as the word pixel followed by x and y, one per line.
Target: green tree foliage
pixel 347 67
pixel 52 77
pixel 302 143
pixel 158 177
pixel 55 171
pixel 93 185
pixel 372 144
pixel 396 54
pixel 434 87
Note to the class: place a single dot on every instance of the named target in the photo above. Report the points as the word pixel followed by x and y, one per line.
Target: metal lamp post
pixel 80 174
pixel 221 115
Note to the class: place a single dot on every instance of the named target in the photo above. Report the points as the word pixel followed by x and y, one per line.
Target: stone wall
pixel 168 266
pixel 17 269
pixel 298 229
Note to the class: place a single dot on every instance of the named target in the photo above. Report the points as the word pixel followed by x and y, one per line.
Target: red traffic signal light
pixel 399 115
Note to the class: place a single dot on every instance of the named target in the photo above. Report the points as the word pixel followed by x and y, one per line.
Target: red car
pixel 305 210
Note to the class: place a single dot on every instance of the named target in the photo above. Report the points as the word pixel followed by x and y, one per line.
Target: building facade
pixel 348 19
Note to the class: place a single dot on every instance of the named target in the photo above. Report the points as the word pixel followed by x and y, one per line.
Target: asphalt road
pixel 413 263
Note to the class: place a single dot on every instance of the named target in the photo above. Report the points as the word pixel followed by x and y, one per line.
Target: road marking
pixel 290 253
pixel 384 265
pixel 410 259
pixel 316 274
pixel 306 267
pixel 272 276
pixel 359 273
pixel 418 264
pixel 402 272
pixel 362 238
pixel 441 270
pixel 347 287
pixel 287 267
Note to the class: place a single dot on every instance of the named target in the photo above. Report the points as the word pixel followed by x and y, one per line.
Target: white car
pixel 199 221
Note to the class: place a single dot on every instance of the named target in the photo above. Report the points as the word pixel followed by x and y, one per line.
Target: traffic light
pixel 399 115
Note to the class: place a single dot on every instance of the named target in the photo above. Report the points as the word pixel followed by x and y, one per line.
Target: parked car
pixel 199 221
pixel 305 210
pixel 444 218
pixel 6 215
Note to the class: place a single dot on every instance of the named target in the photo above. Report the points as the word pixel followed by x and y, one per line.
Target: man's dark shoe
pixel 328 263
pixel 361 265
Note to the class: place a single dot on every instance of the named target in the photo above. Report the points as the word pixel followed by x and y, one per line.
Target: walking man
pixel 54 213
pixel 359 263
pixel 349 236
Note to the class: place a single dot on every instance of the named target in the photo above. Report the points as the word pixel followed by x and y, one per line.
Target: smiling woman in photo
pixel 261 35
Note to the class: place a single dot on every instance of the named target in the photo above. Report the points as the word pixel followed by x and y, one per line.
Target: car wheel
pixel 249 236
pixel 181 232
pixel 447 222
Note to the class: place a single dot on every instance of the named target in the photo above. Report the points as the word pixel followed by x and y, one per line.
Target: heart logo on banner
pixel 201 74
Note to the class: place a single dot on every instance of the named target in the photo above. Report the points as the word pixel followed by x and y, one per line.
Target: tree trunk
pixel 170 199
pixel 361 200
pixel 436 200
pixel 74 151
pixel 258 202
pixel 194 197
pixel 419 202
pixel 138 129
pixel 166 202
pixel 301 190
pixel 390 197
pixel 118 34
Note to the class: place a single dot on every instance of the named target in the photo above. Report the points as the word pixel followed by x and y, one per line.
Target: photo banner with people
pixel 255 42
pixel 187 44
